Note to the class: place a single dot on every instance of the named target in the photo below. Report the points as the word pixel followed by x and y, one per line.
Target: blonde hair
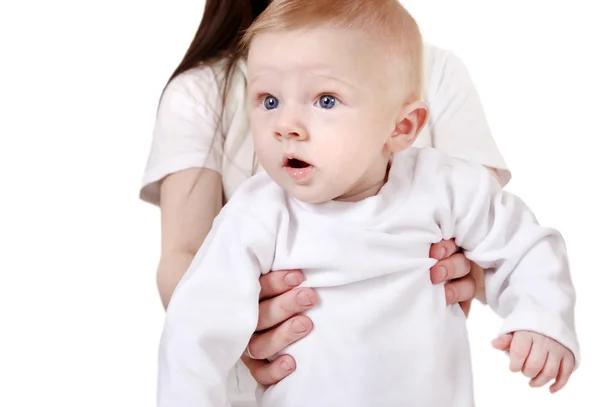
pixel 386 20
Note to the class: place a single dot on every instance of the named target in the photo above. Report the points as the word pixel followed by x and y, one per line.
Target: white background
pixel 79 85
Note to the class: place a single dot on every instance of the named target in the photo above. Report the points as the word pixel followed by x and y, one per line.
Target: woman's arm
pixel 190 200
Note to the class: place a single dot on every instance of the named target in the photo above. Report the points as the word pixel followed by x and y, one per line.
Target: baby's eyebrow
pixel 337 79
pixel 262 72
pixel 254 79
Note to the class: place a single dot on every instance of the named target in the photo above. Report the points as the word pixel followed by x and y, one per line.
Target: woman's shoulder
pixel 444 74
pixel 436 56
pixel 204 82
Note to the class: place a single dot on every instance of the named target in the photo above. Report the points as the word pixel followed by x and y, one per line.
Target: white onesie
pixel 383 335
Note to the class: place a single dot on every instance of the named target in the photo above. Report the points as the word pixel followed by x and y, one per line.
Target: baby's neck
pixel 368 189
pixel 367 193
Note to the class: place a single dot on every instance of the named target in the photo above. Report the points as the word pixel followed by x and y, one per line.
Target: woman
pixel 202 150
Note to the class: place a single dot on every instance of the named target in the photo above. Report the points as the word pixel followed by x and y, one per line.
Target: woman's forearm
pixel 190 200
pixel 171 268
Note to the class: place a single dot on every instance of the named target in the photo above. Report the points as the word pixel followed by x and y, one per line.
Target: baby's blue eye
pixel 270 103
pixel 327 102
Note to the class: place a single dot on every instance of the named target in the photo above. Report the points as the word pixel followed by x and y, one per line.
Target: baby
pixel 334 97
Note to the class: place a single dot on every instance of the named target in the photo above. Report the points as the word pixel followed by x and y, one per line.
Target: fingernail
pixel 443 272
pixel 287 366
pixel 443 253
pixel 440 274
pixel 291 279
pixel 298 327
pixel 303 299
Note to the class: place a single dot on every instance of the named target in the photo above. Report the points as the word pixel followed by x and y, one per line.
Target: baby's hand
pixel 540 358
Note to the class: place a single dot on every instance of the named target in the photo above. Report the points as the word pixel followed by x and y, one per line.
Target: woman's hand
pixel 463 279
pixel 278 325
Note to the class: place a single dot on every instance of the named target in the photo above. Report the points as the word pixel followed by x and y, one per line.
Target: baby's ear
pixel 411 120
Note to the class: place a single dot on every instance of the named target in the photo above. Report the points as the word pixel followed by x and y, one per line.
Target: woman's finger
pixel 443 249
pixel 479 276
pixel 453 267
pixel 460 290
pixel 275 310
pixel 279 282
pixel 268 373
pixel 266 344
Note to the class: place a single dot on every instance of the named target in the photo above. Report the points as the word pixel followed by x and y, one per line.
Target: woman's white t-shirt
pixel 189 133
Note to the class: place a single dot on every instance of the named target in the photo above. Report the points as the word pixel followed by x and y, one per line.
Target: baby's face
pixel 321 111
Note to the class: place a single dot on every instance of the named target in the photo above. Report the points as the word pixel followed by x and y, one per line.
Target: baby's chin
pixel 309 195
pixel 311 198
pixel 311 191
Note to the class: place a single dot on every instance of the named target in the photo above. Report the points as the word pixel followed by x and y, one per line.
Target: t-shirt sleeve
pixel 458 123
pixel 186 134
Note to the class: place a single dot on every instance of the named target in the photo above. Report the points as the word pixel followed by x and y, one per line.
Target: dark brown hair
pixel 218 36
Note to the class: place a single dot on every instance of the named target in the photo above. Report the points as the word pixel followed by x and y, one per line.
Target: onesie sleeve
pixel 213 312
pixel 527 272
pixel 457 118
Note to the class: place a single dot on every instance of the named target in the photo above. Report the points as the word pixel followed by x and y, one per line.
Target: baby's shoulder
pixel 258 197
pixel 423 160
pixel 432 167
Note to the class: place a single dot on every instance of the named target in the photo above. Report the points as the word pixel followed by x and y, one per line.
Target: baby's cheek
pixel 351 163
pixel 268 155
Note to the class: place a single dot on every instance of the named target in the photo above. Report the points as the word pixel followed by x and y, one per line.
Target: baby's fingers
pixel 564 372
pixel 519 350
pixel 503 342
pixel 536 360
pixel 549 372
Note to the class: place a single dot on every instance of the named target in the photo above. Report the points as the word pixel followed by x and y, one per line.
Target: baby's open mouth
pixel 296 163
pixel 299 170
